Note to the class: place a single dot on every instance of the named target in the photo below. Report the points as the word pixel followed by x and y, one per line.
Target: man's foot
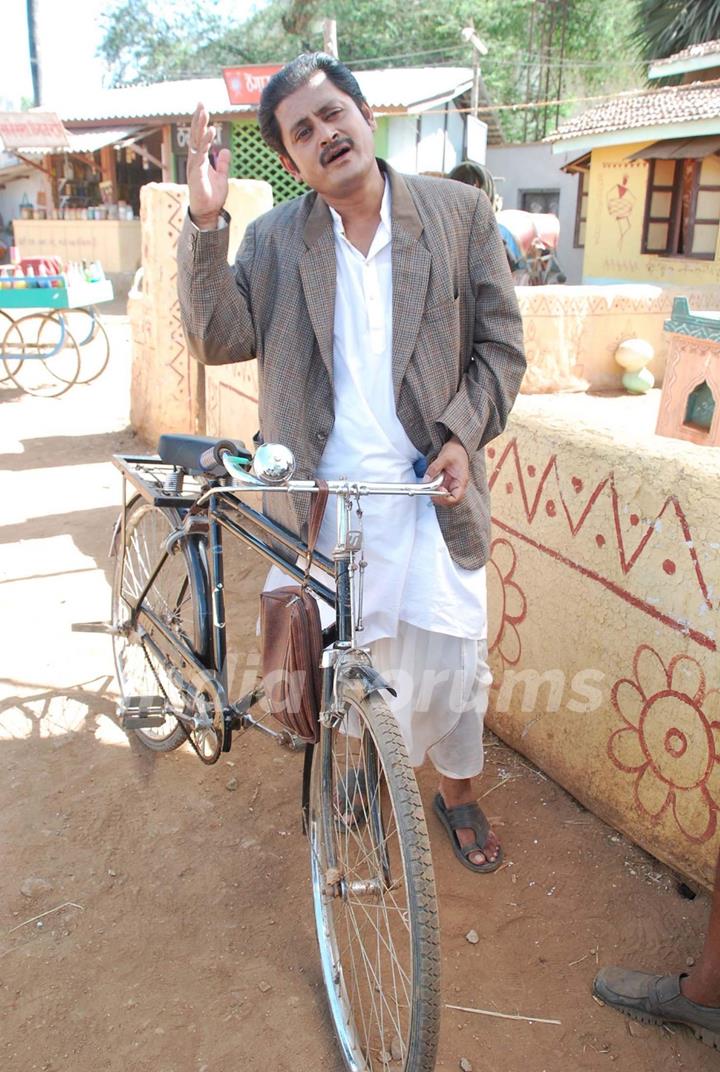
pixel 657 999
pixel 457 791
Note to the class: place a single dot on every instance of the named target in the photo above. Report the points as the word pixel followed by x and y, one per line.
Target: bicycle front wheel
pixel 374 894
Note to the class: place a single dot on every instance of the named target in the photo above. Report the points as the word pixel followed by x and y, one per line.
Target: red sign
pixel 245 84
pixel 28 130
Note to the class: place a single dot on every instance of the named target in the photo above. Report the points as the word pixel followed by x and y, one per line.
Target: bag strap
pixel 317 512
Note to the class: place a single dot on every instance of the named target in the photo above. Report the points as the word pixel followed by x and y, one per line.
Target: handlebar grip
pixel 211 459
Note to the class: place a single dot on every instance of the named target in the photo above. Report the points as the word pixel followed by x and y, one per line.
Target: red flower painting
pixel 670 740
pixel 507 602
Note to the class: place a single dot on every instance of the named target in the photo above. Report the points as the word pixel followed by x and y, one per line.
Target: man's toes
pixel 478 858
pixel 492 846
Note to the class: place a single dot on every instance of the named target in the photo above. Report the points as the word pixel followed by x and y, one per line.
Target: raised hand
pixel 207 185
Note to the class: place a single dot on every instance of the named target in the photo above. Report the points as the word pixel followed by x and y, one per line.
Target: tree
pixel 143 44
pixel 664 27
pixel 540 50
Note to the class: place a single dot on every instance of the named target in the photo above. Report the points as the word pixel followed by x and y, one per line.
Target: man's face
pixel 327 138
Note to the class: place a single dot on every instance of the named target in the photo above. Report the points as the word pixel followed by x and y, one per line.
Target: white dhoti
pixel 442 685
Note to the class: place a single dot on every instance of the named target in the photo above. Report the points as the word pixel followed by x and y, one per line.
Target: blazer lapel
pixel 317 273
pixel 410 276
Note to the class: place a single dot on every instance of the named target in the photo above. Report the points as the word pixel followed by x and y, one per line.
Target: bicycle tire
pixel 178 596
pixel 396 924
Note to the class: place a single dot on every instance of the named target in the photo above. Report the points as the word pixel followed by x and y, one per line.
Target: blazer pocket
pixel 443 310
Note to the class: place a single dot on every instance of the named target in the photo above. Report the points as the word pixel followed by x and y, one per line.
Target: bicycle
pixel 372 880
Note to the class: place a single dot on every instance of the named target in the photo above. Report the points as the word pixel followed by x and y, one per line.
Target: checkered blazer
pixel 457 334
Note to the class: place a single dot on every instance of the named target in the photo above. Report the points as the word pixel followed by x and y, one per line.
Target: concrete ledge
pixel 603 589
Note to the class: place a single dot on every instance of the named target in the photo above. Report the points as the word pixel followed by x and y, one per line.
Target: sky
pixel 68 37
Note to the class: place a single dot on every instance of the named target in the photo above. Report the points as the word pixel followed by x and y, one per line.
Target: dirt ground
pixel 177 933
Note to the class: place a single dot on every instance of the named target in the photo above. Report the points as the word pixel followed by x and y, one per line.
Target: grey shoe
pixel 657 999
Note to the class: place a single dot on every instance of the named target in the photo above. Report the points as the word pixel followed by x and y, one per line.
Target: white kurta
pixel 422 612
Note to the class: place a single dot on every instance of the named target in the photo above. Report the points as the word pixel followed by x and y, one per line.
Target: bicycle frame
pixel 216 510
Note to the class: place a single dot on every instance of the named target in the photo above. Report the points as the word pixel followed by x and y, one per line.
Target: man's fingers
pixel 222 164
pixel 198 125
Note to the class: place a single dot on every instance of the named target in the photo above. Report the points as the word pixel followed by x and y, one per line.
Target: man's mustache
pixel 331 150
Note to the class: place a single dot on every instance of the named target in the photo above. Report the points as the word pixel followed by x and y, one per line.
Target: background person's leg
pixel 702 985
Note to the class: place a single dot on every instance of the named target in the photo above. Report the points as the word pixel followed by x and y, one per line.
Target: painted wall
pixel 603 615
pixel 170 392
pixel 616 206
pixel 535 167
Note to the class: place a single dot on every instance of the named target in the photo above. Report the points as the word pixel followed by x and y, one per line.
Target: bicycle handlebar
pixel 211 460
pixel 222 453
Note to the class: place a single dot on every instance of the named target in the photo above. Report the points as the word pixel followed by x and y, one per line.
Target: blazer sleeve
pixel 494 372
pixel 214 298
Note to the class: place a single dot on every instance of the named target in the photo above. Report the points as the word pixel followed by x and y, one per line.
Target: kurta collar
pixel 404 214
pixel 383 234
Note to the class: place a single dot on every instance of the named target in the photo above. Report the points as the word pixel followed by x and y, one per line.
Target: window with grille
pixel 253 159
pixel 682 208
pixel 540 201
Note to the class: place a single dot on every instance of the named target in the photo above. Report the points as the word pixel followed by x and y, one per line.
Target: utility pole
pixel 31 9
pixel 479 49
pixel 330 44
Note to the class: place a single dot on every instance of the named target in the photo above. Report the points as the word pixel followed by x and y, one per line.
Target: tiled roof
pixel 404 88
pixel 705 48
pixel 656 107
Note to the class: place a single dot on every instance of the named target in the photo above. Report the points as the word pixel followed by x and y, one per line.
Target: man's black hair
pixel 294 75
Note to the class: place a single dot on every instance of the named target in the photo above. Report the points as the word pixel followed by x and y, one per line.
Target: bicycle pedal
pixel 141 722
pixel 142 712
pixel 93 627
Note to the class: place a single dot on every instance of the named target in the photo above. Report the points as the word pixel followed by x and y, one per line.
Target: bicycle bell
pixel 273 463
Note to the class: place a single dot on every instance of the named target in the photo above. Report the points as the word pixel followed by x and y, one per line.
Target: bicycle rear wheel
pixel 374 894
pixel 176 596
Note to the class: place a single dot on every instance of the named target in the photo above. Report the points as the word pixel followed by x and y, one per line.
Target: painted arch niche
pixel 700 408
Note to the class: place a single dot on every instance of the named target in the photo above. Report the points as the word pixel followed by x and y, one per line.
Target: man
pixel 384 322
pixel 692 999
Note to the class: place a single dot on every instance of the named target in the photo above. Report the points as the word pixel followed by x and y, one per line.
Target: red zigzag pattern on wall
pixel 626 562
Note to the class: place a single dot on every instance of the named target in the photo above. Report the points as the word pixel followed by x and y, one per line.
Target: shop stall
pixel 86 205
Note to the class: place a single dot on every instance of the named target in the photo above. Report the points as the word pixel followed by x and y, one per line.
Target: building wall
pixel 614 227
pixel 420 144
pixel 602 615
pixel 534 167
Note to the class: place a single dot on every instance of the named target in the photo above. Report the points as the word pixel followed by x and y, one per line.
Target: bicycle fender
pixel 372 679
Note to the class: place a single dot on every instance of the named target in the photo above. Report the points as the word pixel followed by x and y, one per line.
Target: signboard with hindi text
pixel 245 84
pixel 32 130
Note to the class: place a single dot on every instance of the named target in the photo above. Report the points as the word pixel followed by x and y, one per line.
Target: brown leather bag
pixel 291 639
